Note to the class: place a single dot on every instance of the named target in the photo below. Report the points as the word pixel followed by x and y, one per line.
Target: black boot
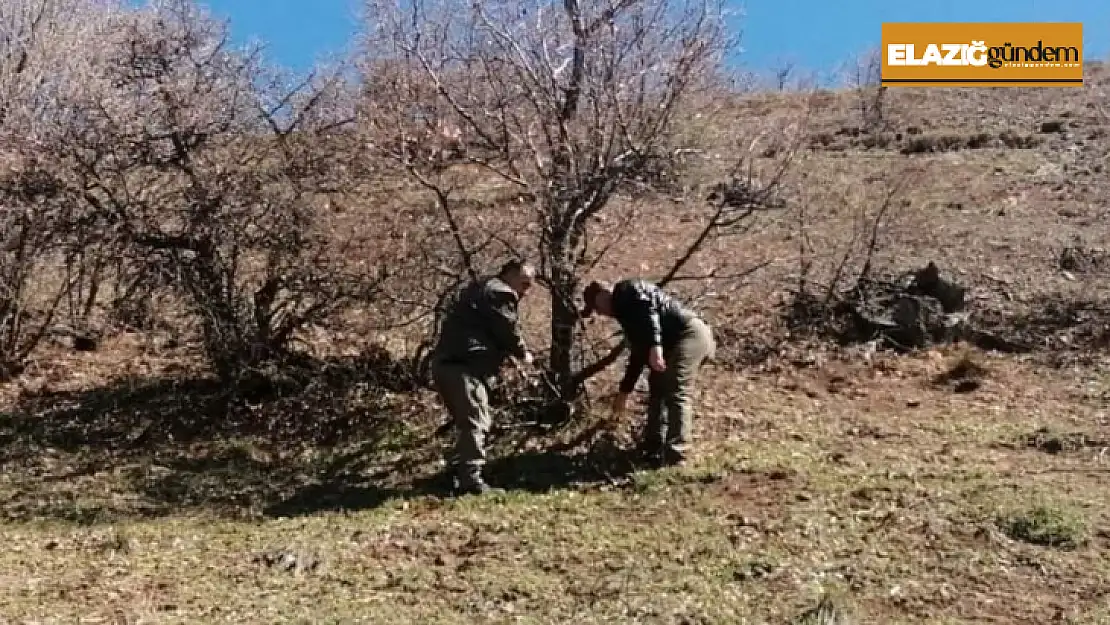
pixel 650 453
pixel 673 458
pixel 475 486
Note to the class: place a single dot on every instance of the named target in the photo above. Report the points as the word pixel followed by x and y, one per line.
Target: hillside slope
pixel 944 486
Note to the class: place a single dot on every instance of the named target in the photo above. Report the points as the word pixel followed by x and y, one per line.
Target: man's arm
pixel 635 308
pixel 643 331
pixel 636 362
pixel 501 313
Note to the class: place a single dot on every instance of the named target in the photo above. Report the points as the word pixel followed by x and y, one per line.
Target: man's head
pixel 519 275
pixel 598 297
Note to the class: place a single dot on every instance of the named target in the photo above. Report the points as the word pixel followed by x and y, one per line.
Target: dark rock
pixel 754 570
pixel 919 309
pixel 966 386
pixel 1052 126
pixel 927 281
pixel 915 316
pixel 84 343
pixel 1081 259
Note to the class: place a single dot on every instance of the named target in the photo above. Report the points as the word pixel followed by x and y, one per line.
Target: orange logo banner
pixel 941 54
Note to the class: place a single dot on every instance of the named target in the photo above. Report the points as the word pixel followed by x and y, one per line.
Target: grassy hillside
pixel 948 485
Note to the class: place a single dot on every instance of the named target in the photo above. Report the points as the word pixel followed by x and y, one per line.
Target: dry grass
pixel 903 496
pixel 818 471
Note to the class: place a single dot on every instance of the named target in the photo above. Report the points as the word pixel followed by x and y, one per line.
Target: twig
pixel 734 276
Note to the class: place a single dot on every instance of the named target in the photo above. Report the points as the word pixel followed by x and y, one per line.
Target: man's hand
pixel 655 359
pixel 528 358
pixel 620 402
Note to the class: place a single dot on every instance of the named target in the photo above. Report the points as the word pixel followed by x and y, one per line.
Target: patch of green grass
pixel 398 437
pixel 1046 525
pixel 653 481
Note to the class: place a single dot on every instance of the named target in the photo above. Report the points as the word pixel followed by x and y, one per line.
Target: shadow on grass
pixel 318 402
pixel 585 460
pixel 335 441
pixel 163 446
pixel 569 462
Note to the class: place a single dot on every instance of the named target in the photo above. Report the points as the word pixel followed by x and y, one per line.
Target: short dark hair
pixel 515 265
pixel 589 294
pixel 510 267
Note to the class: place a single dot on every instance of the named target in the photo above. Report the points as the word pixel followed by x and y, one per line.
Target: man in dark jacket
pixel 478 334
pixel 669 338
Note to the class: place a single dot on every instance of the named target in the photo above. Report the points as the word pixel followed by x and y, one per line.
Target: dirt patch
pixel 1055 326
pixel 757 495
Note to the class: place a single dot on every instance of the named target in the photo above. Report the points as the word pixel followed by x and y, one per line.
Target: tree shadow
pixel 143 448
pixel 546 471
pixel 133 416
pixel 584 461
pixel 321 402
pixel 588 460
pixel 338 437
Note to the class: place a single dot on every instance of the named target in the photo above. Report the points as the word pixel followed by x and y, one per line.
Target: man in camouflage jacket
pixel 669 338
pixel 478 334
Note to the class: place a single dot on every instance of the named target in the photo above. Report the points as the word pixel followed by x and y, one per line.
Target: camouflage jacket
pixel 481 329
pixel 648 316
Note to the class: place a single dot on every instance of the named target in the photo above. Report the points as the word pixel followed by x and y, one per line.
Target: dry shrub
pixel 44 229
pixel 191 164
pixel 933 143
pixel 34 236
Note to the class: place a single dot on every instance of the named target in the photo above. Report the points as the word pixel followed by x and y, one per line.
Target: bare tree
pixel 43 229
pixel 837 273
pixel 756 184
pixel 783 72
pixel 203 169
pixel 564 102
pixel 33 234
pixel 864 76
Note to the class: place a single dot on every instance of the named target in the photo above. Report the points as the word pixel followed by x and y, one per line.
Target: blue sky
pixel 817 35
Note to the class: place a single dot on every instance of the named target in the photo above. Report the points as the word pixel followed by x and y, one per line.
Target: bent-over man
pixel 674 342
pixel 480 331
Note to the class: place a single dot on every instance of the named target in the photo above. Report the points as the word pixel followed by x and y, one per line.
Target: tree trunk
pixel 564 318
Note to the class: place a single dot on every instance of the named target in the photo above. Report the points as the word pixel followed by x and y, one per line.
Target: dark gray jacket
pixel 481 330
pixel 648 316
